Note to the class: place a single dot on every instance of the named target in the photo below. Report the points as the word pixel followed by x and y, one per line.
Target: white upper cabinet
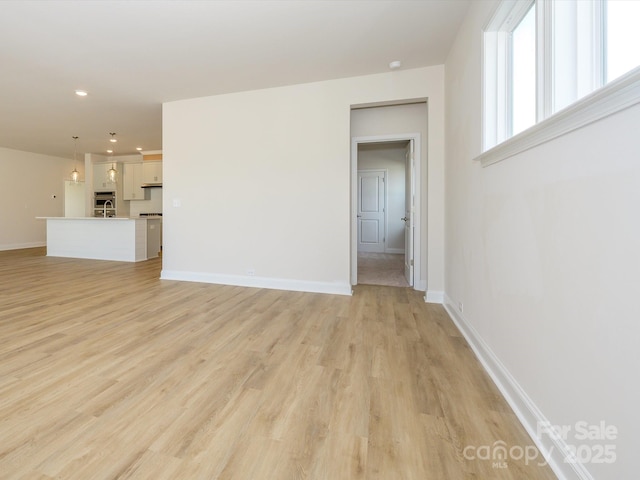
pixel 131 181
pixel 152 172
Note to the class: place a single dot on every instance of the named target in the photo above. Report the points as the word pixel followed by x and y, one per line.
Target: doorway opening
pixel 381 208
pixel 385 210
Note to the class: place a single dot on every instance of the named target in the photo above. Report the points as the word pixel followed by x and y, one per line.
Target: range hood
pixel 151 185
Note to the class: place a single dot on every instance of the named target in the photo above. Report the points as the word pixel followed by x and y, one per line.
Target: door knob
pixel 404 219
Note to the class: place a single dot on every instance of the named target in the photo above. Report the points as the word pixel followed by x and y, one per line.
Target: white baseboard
pixel 19 246
pixel 434 296
pixel 555 450
pixel 259 282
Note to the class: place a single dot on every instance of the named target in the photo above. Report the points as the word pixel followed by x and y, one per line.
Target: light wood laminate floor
pixel 107 372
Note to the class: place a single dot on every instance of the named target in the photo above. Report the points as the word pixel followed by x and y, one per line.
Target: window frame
pixel 584 50
pixel 497 71
pixel 510 45
pixel 552 122
pixel 617 95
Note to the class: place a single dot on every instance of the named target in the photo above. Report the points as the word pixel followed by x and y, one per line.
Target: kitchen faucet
pixel 104 208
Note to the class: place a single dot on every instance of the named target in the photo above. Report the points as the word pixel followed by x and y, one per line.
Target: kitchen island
pixel 123 239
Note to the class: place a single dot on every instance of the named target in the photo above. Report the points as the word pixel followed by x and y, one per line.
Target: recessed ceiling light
pixel 396 64
pixel 81 93
pixel 139 149
pixel 109 151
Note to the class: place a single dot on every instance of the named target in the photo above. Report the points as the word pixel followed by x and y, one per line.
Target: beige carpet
pixel 381 269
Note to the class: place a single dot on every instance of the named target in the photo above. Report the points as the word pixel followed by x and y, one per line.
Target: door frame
pixel 385 171
pixel 417 211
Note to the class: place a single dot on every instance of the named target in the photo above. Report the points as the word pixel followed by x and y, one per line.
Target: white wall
pixel 389 157
pixel 27 183
pixel 542 249
pixel 263 179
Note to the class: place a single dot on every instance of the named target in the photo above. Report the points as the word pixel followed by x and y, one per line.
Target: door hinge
pixel 412 262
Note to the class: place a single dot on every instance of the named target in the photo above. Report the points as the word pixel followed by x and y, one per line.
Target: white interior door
pixel 409 212
pixel 371 208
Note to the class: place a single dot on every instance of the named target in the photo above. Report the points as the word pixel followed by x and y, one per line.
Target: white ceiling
pixel 133 55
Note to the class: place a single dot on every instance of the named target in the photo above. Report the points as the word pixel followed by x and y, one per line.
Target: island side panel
pixel 99 239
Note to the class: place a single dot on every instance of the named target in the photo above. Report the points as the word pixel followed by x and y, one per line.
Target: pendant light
pixel 75 175
pixel 112 173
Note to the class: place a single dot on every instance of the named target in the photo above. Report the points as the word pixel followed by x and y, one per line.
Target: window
pixel 623 37
pixel 510 66
pixel 523 73
pixel 573 58
pixel 543 56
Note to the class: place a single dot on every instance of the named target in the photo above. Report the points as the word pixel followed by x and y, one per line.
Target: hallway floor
pixel 381 269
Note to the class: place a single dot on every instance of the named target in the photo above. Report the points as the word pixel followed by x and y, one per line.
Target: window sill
pixel 617 95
